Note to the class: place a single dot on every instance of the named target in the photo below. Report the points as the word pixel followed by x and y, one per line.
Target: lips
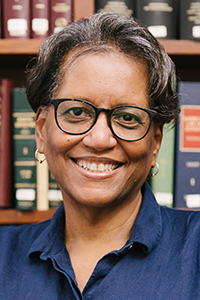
pixel 96 167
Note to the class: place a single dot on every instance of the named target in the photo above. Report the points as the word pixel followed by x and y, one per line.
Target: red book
pixel 6 190
pixel 39 18
pixel 16 19
pixel 60 14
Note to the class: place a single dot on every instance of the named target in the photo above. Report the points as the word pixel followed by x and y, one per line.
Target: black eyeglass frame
pixel 151 113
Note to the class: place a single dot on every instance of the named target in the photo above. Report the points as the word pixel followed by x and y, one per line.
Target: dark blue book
pixel 187 153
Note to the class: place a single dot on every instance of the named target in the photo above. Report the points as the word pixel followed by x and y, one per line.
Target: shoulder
pixel 183 215
pixel 19 238
pixel 182 223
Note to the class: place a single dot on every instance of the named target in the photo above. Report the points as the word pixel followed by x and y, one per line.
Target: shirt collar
pixel 148 225
pixel 51 240
pixel 146 230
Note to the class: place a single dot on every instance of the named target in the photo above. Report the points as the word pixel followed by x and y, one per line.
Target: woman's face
pixel 106 80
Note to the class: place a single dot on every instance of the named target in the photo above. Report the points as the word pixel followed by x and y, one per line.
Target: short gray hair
pixel 127 35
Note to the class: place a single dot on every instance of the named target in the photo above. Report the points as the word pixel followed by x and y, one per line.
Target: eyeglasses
pixel 127 122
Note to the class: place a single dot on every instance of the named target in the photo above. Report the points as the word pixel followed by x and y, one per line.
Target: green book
pixel 23 151
pixel 163 183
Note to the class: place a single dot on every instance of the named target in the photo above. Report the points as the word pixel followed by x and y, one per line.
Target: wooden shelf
pixel 19 47
pixel 14 55
pixel 16 217
pixel 31 46
pixel 181 47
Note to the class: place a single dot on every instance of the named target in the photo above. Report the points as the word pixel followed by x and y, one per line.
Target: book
pixel 42 183
pixel 125 7
pixel 6 190
pixel 16 19
pixel 60 14
pixel 159 16
pixel 39 18
pixel 54 193
pixel 189 20
pixel 23 151
pixel 187 154
pixel 163 183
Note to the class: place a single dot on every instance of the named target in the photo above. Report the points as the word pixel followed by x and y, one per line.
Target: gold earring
pixel 37 154
pixel 154 174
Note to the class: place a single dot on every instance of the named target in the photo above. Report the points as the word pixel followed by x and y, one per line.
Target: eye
pixel 127 120
pixel 131 118
pixel 74 112
pixel 77 111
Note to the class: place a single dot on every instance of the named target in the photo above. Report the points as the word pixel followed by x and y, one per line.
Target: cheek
pixel 58 143
pixel 141 152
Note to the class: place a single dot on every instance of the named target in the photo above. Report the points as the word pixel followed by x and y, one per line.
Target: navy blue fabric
pixel 159 261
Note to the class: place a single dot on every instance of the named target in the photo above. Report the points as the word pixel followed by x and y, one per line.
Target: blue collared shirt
pixel 159 261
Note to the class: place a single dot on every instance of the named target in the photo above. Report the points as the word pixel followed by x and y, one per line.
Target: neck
pixel 97 225
pixel 91 233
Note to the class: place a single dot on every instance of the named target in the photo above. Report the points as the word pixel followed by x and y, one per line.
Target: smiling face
pixel 96 168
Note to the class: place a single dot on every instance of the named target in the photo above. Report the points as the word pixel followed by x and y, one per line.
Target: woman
pixel 102 89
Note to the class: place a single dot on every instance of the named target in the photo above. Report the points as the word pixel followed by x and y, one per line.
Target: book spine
pixel 6 190
pixel 189 20
pixel 16 19
pixel 125 7
pixel 187 155
pixel 60 14
pixel 39 18
pixel 24 152
pixel 163 183
pixel 54 193
pixel 42 186
pixel 159 16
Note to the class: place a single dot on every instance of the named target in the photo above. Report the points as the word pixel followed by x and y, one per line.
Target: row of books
pixel 177 184
pixel 26 19
pixel 166 19
pixel 24 183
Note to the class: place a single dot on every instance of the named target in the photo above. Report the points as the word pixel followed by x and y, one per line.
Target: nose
pixel 100 137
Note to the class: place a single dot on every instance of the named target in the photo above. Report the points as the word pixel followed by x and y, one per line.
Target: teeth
pixel 93 167
pixel 101 167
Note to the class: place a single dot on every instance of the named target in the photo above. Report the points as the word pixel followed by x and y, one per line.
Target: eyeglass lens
pixel 127 122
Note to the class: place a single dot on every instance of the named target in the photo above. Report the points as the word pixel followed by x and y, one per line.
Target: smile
pixel 96 167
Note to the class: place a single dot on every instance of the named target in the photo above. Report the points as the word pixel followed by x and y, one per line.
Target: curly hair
pixel 102 31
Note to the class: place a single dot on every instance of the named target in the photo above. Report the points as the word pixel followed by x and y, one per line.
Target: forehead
pixel 77 55
pixel 103 74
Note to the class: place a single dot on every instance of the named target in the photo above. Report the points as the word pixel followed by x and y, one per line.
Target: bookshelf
pixel 11 47
pixel 16 217
pixel 14 55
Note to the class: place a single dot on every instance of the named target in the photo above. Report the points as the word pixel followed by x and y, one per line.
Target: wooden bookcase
pixel 15 54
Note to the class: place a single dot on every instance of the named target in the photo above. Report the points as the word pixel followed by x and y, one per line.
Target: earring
pixel 154 174
pixel 37 154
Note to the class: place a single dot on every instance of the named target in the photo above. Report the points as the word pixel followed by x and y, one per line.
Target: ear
pixel 158 134
pixel 40 119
